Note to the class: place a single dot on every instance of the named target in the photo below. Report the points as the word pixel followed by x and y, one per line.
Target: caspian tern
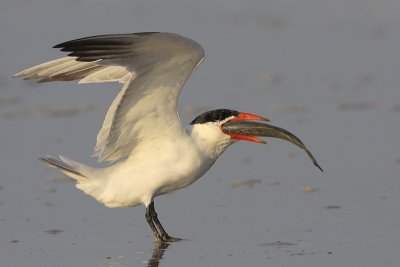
pixel 151 153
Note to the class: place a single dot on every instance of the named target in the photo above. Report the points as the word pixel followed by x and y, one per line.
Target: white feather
pixel 153 73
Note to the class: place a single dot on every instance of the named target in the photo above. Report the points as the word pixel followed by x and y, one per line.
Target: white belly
pixel 139 179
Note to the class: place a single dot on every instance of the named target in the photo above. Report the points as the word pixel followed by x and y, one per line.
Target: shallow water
pixel 327 71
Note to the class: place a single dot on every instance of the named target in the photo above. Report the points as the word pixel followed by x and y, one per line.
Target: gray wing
pixel 153 68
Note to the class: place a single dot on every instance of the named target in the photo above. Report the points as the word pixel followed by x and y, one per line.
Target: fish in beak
pixel 245 127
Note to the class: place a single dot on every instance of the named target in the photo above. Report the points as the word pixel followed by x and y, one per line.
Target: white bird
pixel 142 136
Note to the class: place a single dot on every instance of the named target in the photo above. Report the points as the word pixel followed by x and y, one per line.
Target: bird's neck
pixel 210 142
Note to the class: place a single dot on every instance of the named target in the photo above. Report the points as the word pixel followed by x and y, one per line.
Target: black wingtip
pixel 43 159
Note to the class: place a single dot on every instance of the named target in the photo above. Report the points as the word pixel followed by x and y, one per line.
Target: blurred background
pixel 328 71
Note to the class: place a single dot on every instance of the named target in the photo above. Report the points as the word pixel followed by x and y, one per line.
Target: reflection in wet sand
pixel 136 259
pixel 158 253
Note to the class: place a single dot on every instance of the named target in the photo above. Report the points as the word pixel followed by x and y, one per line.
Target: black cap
pixel 215 115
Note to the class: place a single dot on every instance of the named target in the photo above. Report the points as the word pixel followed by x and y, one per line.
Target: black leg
pixel 164 235
pixel 154 217
pixel 149 219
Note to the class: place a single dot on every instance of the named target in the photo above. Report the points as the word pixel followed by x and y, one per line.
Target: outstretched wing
pixel 153 68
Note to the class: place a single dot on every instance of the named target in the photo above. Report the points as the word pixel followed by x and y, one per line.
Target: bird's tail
pixel 84 175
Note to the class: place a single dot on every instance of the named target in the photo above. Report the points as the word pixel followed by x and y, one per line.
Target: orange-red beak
pixel 245 128
pixel 246 117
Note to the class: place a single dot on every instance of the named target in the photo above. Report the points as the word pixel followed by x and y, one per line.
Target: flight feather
pixel 152 67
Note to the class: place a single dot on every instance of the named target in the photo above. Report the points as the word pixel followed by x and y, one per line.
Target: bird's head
pixel 215 120
pixel 219 128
